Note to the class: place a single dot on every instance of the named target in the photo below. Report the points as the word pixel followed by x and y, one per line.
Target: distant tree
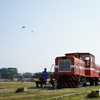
pixel 12 71
pixel 18 75
pixel 0 76
pixel 8 72
pixel 27 75
pixel 4 72
pixel 36 75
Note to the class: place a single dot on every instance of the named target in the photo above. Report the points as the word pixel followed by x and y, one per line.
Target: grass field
pixel 7 92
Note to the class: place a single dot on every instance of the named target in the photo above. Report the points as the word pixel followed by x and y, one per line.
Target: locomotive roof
pixel 79 53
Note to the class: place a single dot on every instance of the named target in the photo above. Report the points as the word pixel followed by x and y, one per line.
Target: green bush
pixel 19 90
pixel 93 94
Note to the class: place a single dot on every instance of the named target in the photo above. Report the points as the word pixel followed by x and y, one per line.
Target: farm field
pixel 7 92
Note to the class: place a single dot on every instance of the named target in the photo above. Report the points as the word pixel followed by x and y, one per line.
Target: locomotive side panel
pixel 96 71
pixel 79 67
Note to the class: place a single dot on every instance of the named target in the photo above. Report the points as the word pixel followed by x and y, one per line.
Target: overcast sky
pixel 59 27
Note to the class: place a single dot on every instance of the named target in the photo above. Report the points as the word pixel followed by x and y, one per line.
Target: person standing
pixel 45 73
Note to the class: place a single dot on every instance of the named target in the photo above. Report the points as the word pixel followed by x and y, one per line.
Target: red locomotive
pixel 75 69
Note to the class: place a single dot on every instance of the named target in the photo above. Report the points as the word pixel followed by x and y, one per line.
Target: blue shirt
pixel 45 73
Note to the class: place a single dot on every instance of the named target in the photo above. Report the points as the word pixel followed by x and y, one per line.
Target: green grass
pixel 34 93
pixel 77 97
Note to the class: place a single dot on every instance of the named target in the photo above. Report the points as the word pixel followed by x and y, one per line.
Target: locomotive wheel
pixel 91 83
pixel 84 84
pixel 96 83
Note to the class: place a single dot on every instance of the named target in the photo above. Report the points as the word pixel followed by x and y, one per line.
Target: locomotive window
pixel 92 60
pixel 87 58
pixel 64 65
pixel 84 57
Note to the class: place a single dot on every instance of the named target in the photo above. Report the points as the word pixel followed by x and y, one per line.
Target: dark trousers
pixel 40 84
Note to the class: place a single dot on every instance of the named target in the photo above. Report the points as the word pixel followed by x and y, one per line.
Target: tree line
pixel 11 73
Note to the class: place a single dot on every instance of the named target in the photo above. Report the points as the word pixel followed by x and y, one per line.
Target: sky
pixel 59 27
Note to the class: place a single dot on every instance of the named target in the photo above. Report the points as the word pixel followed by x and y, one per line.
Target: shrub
pixel 93 94
pixel 19 90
